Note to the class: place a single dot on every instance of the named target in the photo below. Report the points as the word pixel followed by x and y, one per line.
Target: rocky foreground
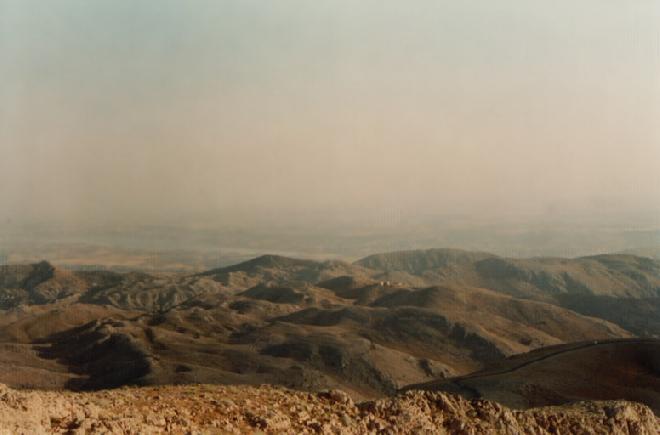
pixel 239 409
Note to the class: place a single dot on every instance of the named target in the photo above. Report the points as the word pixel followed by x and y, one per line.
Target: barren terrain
pixel 239 409
pixel 468 323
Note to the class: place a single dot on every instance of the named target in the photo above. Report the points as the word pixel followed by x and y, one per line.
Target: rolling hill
pixel 370 327
pixel 601 370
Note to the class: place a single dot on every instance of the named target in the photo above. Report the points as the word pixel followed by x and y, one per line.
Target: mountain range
pixel 427 318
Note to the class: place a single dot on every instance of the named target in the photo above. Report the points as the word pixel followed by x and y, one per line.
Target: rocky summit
pixel 214 409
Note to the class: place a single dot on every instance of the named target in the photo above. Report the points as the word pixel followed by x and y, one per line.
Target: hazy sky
pixel 142 110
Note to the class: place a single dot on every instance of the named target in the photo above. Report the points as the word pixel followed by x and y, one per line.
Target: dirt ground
pixel 213 409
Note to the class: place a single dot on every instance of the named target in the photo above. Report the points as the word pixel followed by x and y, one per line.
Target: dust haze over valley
pixel 237 112
pixel 443 208
pixel 329 131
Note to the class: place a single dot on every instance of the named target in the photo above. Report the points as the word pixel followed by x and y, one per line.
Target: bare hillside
pixel 369 328
pixel 602 370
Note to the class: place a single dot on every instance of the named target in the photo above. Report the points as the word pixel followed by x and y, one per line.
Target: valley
pixel 370 328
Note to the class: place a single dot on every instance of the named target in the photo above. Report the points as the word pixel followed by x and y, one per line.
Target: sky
pixel 144 111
